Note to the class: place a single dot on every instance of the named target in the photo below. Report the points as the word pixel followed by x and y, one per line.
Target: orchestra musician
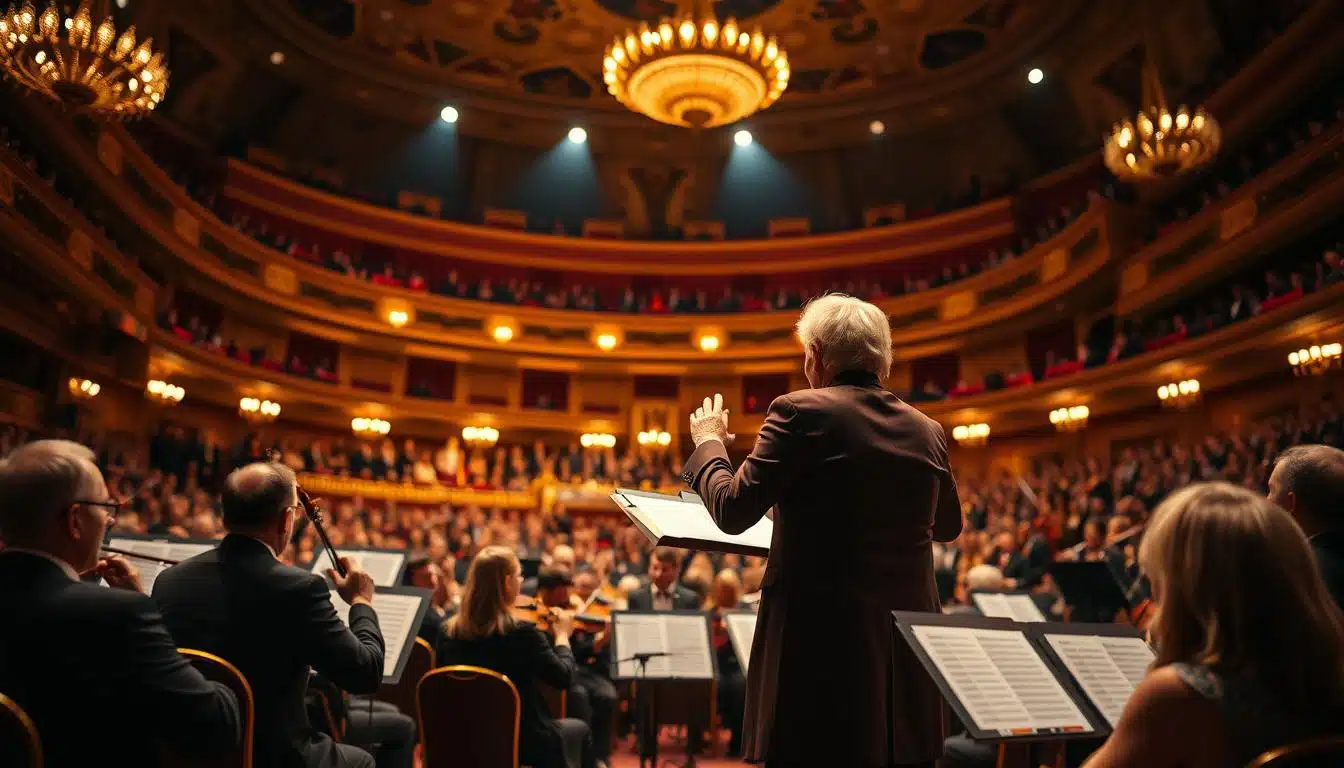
pixel 275 622
pixel 592 696
pixel 94 667
pixel 861 487
pixel 484 633
pixel 424 573
pixel 1308 481
pixel 726 595
pixel 663 592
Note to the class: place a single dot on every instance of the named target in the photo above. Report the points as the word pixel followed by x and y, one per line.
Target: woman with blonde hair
pixel 485 634
pixel 1250 646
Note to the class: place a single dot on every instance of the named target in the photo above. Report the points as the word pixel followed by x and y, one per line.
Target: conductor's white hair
pixel 850 333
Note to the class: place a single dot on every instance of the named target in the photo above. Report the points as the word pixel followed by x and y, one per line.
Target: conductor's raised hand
pixel 356 586
pixel 710 422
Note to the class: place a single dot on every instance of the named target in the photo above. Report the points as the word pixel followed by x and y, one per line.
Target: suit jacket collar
pixel 242 544
pixel 47 565
pixel 856 379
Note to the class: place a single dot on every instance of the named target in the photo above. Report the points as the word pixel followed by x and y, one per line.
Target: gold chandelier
pixel 694 72
pixel 82 64
pixel 1159 143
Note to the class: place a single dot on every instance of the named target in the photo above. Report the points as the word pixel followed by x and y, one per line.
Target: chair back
pixel 469 718
pixel 220 671
pixel 402 694
pixel 1314 753
pixel 18 735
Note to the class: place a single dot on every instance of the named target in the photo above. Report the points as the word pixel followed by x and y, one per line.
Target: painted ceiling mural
pixel 553 48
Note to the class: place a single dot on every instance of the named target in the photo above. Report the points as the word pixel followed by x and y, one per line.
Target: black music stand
pixel 1091 588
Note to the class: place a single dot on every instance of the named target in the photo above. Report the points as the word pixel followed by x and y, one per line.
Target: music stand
pixel 672 640
pixel 1104 661
pixel 400 612
pixel 1090 587
pixel 384 565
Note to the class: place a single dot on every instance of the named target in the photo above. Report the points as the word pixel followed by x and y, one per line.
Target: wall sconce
pixel 1182 395
pixel 502 329
pixel 1070 419
pixel 597 440
pixel 369 428
pixel 654 438
pixel 608 337
pixel 398 318
pixel 1315 360
pixel 971 434
pixel 164 393
pixel 83 389
pixel 480 437
pixel 708 339
pixel 258 411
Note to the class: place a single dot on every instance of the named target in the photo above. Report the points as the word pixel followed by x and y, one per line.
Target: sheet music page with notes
pixel 684 637
pixel 675 518
pixel 384 567
pixel 1106 668
pixel 1001 680
pixel 741 630
pixel 999 605
pixel 396 613
pixel 150 569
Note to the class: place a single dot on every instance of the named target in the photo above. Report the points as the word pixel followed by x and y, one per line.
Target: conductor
pixel 861 488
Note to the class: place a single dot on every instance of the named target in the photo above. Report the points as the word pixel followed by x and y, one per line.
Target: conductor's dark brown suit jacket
pixel 861 486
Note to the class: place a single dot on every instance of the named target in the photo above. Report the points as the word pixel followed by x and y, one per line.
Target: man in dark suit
pixel 663 593
pixel 94 667
pixel 1308 481
pixel 424 573
pixel 861 488
pixel 274 621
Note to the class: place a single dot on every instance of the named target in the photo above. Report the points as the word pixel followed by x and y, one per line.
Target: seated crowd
pixel 1099 509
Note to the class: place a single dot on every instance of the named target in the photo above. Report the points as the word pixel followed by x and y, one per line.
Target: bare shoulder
pixel 1165 702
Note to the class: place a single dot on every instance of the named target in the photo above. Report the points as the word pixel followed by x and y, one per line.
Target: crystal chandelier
pixel 694 72
pixel 1158 143
pixel 82 64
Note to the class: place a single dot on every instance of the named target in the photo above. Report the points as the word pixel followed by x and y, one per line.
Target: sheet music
pixel 384 567
pixel 685 637
pixel 1001 680
pixel 150 569
pixel 674 518
pixel 999 605
pixel 395 615
pixel 1107 668
pixel 741 630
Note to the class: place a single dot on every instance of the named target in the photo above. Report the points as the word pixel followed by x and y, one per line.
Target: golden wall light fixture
pixel 480 436
pixel 597 440
pixel 258 411
pixel 1181 394
pixel 608 337
pixel 84 389
pixel 369 428
pixel 1316 359
pixel 1070 419
pixel 502 329
pixel 164 393
pixel 80 61
pixel 708 339
pixel 695 71
pixel 971 434
pixel 654 438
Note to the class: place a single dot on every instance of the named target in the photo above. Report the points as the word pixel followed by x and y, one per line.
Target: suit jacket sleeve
pixel 947 520
pixel 738 500
pixel 350 658
pixel 193 715
pixel 553 665
pixel 640 600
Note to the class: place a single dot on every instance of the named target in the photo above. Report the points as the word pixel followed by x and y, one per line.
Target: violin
pixel 533 611
pixel 314 513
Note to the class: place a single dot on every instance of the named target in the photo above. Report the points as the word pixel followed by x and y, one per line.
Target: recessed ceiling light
pixel 278 58
pixel 742 138
pixel 877 127
pixel 578 135
pixel 448 114
pixel 1035 76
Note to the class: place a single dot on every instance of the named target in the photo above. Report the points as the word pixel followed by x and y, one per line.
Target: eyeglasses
pixel 113 506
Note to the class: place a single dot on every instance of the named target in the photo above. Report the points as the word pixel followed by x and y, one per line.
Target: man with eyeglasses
pixel 95 668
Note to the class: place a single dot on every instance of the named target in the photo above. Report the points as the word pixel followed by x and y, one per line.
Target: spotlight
pixel 578 135
pixel 742 138
pixel 448 114
pixel 278 58
pixel 123 3
pixel 1035 76
pixel 877 127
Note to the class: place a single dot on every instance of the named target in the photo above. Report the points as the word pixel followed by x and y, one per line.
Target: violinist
pixel 484 633
pixel 726 595
pixel 592 697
